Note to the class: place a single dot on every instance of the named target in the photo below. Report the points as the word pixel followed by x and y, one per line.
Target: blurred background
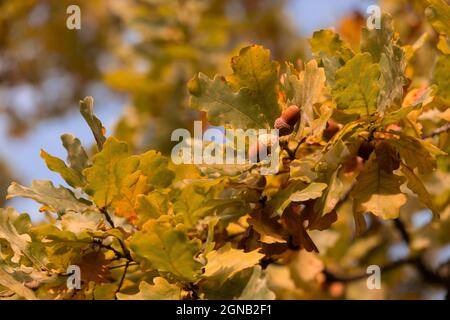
pixel 134 57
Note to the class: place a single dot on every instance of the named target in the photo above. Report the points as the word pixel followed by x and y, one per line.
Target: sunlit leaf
pixel 87 111
pixel 159 290
pixel 357 89
pixel 59 200
pixel 167 249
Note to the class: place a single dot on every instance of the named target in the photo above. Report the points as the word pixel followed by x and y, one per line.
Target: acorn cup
pixel 286 122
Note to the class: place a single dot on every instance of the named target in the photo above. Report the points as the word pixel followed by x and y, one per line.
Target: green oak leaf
pixel 303 169
pixel 112 169
pixel 223 105
pixel 151 206
pixel 296 191
pixel 73 177
pixel 441 77
pixel 444 44
pixel 333 194
pixel 438 13
pixel 414 153
pixel 245 99
pixel 62 247
pixel 76 155
pixel 312 191
pixel 383 47
pixel 257 288
pixel 8 281
pixel 161 289
pixel 77 158
pixel 87 111
pixel 19 243
pixel 392 81
pixel 224 263
pixel 417 186
pixel 408 106
pixel 202 198
pixel 59 200
pixel 155 166
pixel 104 291
pixel 77 224
pixel 167 250
pixel 356 90
pixel 374 41
pixel 378 191
pixel 329 43
pixel 332 51
pixel 308 88
pixel 253 69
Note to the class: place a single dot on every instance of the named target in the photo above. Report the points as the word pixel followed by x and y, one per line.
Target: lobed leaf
pixel 167 249
pixel 356 90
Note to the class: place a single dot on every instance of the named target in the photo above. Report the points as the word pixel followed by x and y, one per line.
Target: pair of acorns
pixel 285 124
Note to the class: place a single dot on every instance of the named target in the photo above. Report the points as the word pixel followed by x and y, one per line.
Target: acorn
pixel 332 128
pixel 353 164
pixel 365 149
pixel 289 117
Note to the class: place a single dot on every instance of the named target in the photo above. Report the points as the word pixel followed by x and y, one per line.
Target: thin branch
pixel 437 131
pixel 402 230
pixel 107 216
pixel 117 252
pixel 124 265
pixel 332 277
pixel 427 274
pixel 292 153
pixel 125 250
pixel 127 264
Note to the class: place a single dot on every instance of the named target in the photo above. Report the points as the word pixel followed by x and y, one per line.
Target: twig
pixel 437 131
pixel 332 277
pixel 293 152
pixel 107 216
pixel 402 230
pixel 425 272
pixel 124 265
pixel 117 252
pixel 127 264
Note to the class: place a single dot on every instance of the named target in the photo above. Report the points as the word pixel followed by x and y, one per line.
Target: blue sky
pixel 23 155
pixel 311 15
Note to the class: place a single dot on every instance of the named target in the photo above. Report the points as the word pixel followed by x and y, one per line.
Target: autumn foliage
pixel 365 153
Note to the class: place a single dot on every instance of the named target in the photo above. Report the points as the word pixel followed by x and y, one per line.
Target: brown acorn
pixel 365 149
pixel 332 128
pixel 289 117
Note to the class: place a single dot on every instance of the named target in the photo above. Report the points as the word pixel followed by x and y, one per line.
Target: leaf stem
pixel 107 216
pixel 122 279
pixel 123 265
